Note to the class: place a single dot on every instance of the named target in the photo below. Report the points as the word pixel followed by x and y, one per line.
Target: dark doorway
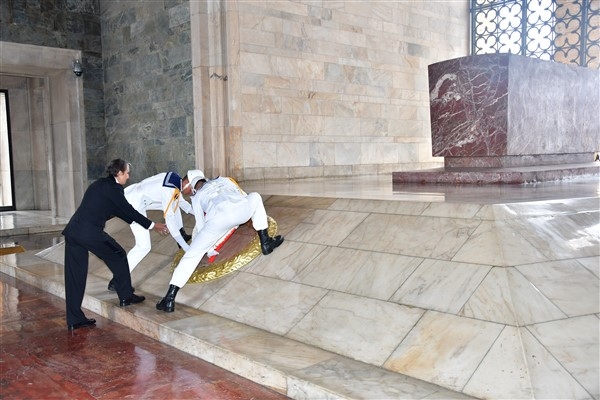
pixel 7 189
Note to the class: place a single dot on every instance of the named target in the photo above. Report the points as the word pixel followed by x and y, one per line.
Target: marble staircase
pixel 384 299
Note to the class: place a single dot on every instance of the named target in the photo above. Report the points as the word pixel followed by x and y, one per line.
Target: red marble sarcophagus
pixel 504 118
pixel 498 110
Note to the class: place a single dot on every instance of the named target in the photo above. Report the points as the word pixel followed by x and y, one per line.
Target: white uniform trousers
pixel 226 216
pixel 143 244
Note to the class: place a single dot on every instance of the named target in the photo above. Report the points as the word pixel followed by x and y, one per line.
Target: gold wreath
pixel 227 266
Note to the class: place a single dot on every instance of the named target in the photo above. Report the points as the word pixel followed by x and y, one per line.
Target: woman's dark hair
pixel 116 166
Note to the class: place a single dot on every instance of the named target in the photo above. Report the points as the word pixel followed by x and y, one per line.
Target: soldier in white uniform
pixel 159 192
pixel 224 206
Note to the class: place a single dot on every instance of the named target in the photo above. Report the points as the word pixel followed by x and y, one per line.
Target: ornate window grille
pixel 566 31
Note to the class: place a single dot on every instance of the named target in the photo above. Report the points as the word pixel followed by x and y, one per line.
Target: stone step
pixel 506 175
pixel 295 369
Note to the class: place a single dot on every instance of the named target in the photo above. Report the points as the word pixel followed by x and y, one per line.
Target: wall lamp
pixel 77 68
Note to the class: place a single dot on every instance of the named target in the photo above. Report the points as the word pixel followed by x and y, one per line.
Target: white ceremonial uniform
pixel 224 206
pixel 150 194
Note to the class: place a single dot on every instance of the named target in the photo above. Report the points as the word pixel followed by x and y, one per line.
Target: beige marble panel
pixel 575 344
pixel 28 258
pixel 265 347
pixel 151 265
pixel 287 261
pixel 55 253
pixel 498 243
pixel 297 202
pixel 507 297
pixel 261 154
pixel 288 218
pixel 452 210
pixel 524 209
pixel 190 335
pixel 427 237
pixel 326 227
pixel 373 153
pixel 567 284
pixel 518 366
pixel 156 279
pixel 29 262
pixel 503 373
pixel 347 153
pixel 263 302
pixel 592 264
pixel 364 329
pixel 444 349
pixel 562 236
pixel 363 273
pixel 380 206
pixel 306 125
pixel 293 154
pixel 350 379
pixel 256 63
pixel 34 271
pixel 441 285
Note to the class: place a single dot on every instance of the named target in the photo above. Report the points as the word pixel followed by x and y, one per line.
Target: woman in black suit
pixel 84 233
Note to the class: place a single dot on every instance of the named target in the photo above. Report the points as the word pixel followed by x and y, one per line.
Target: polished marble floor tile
pixel 576 347
pixel 567 284
pixel 498 243
pixel 507 297
pixel 326 227
pixel 272 304
pixel 358 327
pixel 363 273
pixel 518 366
pixel 41 359
pixel 444 349
pixel 441 285
pixel 427 237
pixel 592 264
pixel 288 262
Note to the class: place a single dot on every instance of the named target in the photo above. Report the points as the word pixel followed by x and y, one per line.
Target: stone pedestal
pixel 502 111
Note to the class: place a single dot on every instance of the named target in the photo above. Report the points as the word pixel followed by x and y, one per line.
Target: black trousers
pixel 79 240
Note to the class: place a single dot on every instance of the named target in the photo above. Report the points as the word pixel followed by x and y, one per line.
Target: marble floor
pixel 381 291
pixel 41 360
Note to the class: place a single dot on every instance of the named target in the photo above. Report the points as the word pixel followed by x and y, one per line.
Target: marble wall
pixel 314 88
pixel 146 51
pixel 510 110
pixel 339 88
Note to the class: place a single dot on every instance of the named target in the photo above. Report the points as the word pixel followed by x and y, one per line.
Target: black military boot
pixel 185 236
pixel 167 304
pixel 267 243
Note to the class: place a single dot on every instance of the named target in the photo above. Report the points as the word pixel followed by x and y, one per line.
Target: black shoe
pixel 267 243
pixel 167 304
pixel 111 286
pixel 134 299
pixel 83 324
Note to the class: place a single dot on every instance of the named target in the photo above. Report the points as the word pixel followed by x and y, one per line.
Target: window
pixel 567 31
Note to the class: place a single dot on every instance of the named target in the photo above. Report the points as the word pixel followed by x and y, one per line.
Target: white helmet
pixel 194 175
